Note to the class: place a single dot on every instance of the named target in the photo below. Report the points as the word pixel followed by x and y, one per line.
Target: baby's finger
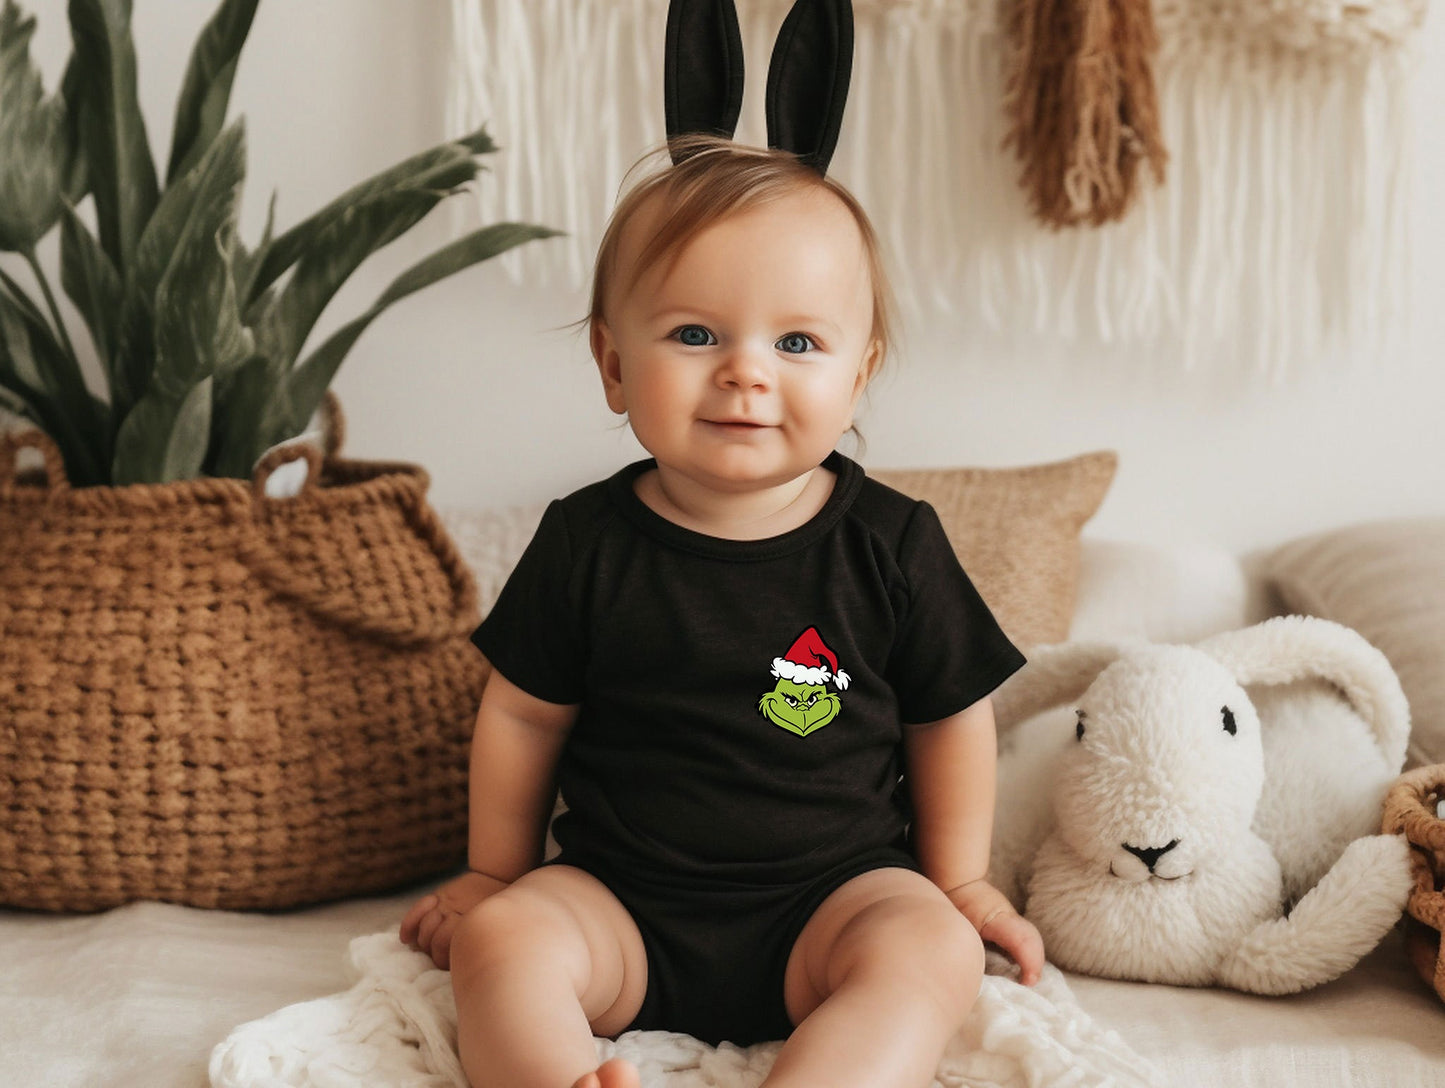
pixel 1018 937
pixel 413 918
pixel 426 933
pixel 441 951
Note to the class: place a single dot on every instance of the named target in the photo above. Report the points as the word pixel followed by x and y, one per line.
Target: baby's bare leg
pixel 537 970
pixel 879 980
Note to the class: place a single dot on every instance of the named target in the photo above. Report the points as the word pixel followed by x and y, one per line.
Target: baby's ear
pixel 873 360
pixel 868 369
pixel 609 365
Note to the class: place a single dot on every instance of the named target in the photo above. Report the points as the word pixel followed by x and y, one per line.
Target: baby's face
pixel 740 364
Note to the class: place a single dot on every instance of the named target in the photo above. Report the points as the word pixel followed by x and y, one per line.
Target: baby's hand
pixel 998 923
pixel 429 925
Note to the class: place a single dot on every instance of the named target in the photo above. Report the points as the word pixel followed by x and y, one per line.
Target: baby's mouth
pixel 738 425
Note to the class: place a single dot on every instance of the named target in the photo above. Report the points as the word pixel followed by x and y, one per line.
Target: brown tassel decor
pixel 1082 108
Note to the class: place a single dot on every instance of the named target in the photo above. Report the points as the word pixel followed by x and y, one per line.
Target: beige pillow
pixel 1176 593
pixel 1387 581
pixel 1016 532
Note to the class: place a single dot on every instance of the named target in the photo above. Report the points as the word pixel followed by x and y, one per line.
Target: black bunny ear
pixel 702 69
pixel 808 80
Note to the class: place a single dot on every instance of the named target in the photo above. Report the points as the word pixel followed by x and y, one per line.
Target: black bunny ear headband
pixel 807 76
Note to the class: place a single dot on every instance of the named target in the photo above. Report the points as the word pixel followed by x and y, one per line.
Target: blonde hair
pixel 716 179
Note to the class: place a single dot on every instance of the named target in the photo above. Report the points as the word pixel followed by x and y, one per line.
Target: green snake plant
pixel 199 339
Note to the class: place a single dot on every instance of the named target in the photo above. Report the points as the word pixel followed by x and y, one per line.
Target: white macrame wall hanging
pixel 1278 235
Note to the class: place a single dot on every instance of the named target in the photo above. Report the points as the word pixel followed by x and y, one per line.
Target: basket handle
pixel 395 623
pixel 1408 811
pixel 31 439
pixel 279 458
pixel 333 433
pixel 333 424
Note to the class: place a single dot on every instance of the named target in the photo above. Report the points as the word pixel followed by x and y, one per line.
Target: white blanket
pixel 397 1026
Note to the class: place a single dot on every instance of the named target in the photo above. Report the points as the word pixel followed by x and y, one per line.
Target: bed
pixel 142 994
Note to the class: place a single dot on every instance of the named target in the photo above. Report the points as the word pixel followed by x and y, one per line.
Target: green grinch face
pixel 799 708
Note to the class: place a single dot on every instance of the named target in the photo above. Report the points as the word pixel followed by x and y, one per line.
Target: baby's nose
pixel 744 367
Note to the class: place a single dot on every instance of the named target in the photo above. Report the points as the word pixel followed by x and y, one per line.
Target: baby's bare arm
pixel 952 767
pixel 515 746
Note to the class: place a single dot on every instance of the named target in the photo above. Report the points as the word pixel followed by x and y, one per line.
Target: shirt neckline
pixel 849 478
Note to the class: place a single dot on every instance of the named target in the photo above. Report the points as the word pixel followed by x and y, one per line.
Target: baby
pixel 727 656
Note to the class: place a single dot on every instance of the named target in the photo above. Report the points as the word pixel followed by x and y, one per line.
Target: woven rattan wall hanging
pixel 976 127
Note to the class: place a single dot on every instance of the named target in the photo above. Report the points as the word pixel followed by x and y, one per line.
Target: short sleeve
pixel 533 634
pixel 949 651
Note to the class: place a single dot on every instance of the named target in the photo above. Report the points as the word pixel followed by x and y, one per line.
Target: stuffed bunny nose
pixel 1149 854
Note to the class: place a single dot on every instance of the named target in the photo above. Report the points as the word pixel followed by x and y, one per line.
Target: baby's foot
pixel 614 1073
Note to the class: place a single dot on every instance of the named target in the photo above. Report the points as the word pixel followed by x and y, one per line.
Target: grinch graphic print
pixel 800 702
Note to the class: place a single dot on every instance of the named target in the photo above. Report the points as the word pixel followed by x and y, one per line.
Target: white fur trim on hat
pixel 799 673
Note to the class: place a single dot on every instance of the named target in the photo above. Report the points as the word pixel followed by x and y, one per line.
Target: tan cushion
pixel 1386 580
pixel 1016 532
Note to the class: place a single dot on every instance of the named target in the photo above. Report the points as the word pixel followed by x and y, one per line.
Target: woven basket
pixel 1410 809
pixel 216 698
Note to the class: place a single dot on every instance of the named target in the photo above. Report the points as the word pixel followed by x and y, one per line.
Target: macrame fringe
pixel 1279 236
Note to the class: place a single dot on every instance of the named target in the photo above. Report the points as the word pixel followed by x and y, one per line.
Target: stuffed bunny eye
pixel 1229 726
pixel 1079 728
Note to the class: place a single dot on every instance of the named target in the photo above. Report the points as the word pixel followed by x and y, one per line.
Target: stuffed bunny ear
pixel 702 69
pixel 808 80
pixel 1289 648
pixel 1054 675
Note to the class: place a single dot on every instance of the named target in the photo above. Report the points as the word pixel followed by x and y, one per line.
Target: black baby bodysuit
pixel 742 704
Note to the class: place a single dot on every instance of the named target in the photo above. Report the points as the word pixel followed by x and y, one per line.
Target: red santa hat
pixel 809 661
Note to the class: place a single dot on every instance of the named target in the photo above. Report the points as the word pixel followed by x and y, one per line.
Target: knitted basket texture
pixel 1410 809
pixel 216 698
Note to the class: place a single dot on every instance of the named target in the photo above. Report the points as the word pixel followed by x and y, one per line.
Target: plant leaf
pixel 32 140
pixel 335 253
pixel 77 175
pixel 221 170
pixel 43 359
pixel 197 322
pixel 478 246
pixel 206 91
pixel 248 262
pixel 130 363
pixel 92 283
pixel 478 143
pixel 306 385
pixel 15 342
pixel 13 402
pixel 239 406
pixel 164 438
pixel 113 134
pixel 184 207
pixel 440 168
pixel 34 365
pixel 198 327
pixel 20 298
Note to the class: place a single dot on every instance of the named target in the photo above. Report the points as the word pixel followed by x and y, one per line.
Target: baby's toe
pixel 618 1073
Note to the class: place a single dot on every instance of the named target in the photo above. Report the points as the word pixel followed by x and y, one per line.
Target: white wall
pixel 474 379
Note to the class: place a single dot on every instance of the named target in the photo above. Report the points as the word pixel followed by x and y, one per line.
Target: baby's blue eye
pixel 795 343
pixel 694 336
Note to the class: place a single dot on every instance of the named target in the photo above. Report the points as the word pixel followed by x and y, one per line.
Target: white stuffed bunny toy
pixel 1169 827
